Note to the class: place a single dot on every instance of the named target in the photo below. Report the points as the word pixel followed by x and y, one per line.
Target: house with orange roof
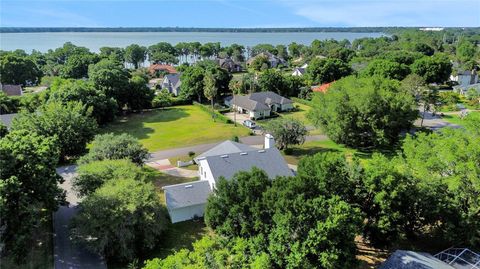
pixel 154 68
pixel 322 88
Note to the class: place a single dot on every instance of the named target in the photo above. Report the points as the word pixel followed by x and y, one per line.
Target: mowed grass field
pixel 178 126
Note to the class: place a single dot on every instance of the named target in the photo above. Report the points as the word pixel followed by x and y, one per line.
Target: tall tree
pixel 18 70
pixel 210 90
pixel 135 54
pixel 124 215
pixel 28 184
pixel 327 70
pixel 70 123
pixel 286 131
pixel 364 112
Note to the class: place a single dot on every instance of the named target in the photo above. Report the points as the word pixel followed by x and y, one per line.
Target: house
pixel 156 68
pixel 11 90
pixel 322 88
pixel 465 78
pixel 452 258
pixel 403 259
pixel 188 200
pixel 7 119
pixel 259 104
pixel 299 71
pixel 172 83
pixel 463 89
pixel 274 61
pixel 230 65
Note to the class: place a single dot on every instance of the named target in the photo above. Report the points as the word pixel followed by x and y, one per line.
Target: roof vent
pixel 188 186
pixel 224 156
pixel 243 153
pixel 261 151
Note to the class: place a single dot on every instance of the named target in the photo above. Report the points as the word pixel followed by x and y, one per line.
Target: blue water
pixel 94 41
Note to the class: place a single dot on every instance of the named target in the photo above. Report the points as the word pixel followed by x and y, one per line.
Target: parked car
pixel 250 124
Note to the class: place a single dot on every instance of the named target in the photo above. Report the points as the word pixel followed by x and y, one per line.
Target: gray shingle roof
pixel 226 147
pixel 7 119
pixel 403 259
pixel 246 103
pixel 11 90
pixel 259 101
pixel 269 160
pixel 187 194
pixel 174 79
pixel 269 98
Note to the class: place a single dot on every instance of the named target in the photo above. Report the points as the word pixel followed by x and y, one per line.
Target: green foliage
pixel 64 91
pixel 363 112
pixel 448 160
pixel 70 123
pixel 76 65
pixel 436 68
pixel 28 182
pixel 287 218
pixel 235 209
pixel 18 70
pixel 315 233
pixel 110 77
pixel 386 69
pixel 3 130
pixel 162 99
pixel 94 174
pixel 330 174
pixel 285 85
pixel 215 252
pixel 135 54
pixel 466 51
pixel 286 131
pixel 327 70
pixel 124 216
pixel 260 63
pixel 114 147
pixel 139 96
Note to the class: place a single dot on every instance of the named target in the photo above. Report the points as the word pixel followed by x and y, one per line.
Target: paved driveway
pixel 66 254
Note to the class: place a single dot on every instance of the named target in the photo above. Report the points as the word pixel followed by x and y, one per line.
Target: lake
pixel 94 41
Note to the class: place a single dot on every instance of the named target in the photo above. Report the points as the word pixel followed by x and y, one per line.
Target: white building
pixel 188 200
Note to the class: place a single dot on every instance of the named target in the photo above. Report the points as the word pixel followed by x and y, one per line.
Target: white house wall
pixel 206 173
pixel 186 213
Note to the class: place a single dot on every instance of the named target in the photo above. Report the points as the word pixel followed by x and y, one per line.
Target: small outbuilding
pixel 187 200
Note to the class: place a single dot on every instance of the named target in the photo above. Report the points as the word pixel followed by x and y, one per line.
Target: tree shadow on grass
pixel 298 152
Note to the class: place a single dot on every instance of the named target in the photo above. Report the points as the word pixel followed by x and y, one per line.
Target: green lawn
pixel 173 127
pixel 300 114
pixel 312 147
pixel 455 118
pixel 184 158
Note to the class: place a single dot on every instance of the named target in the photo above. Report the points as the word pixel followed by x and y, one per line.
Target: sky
pixel 239 13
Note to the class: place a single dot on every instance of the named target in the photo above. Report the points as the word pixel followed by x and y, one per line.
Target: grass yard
pixel 455 118
pixel 300 114
pixel 178 126
pixel 312 147
pixel 184 158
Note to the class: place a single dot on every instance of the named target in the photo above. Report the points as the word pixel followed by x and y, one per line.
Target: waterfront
pixel 95 40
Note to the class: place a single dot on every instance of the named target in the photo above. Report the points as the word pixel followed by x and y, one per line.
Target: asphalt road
pixel 67 254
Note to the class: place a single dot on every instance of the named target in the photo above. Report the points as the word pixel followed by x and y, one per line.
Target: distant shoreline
pixel 195 29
